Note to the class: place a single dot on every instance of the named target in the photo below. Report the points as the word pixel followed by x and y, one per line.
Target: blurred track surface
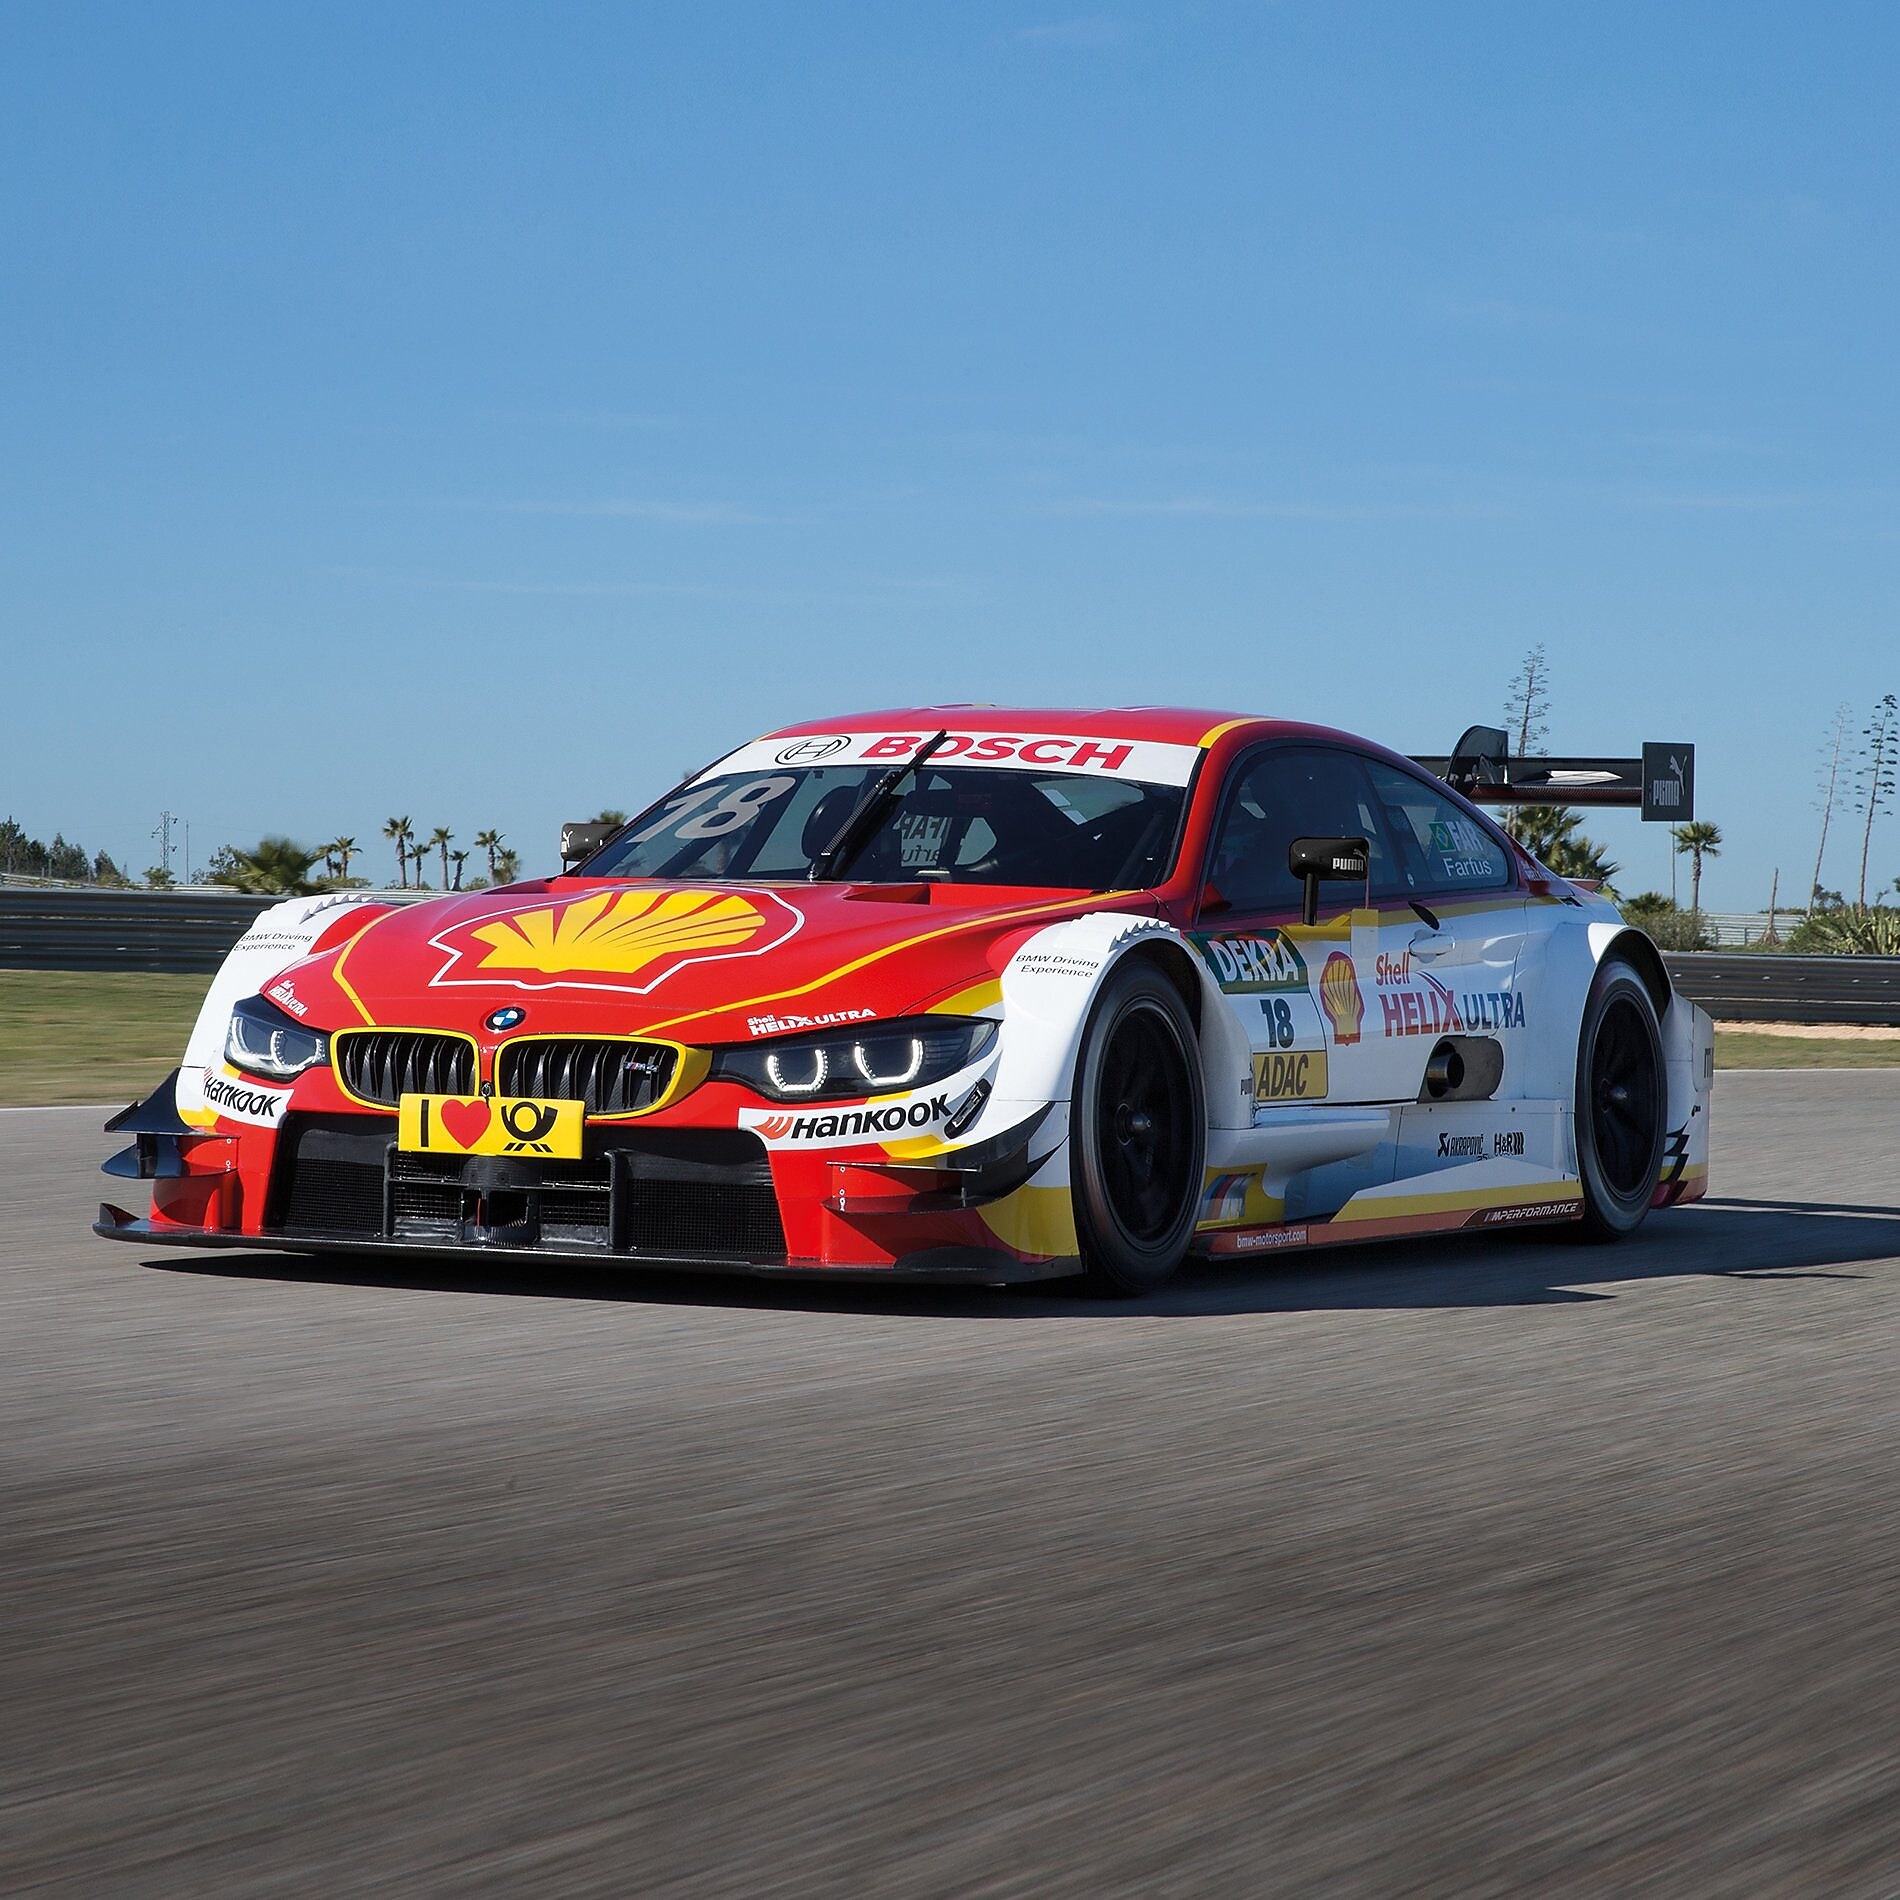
pixel 1464 1569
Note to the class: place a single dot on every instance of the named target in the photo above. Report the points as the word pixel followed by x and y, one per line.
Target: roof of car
pixel 1174 725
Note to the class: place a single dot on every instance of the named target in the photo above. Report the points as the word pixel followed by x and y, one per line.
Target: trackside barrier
pixel 178 932
pixel 1767 988
pixel 189 931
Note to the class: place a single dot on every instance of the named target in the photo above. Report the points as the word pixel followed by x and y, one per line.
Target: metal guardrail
pixel 181 932
pixel 189 932
pixel 1769 988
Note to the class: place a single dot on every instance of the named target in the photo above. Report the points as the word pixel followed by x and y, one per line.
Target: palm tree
pixel 1550 834
pixel 441 838
pixel 489 841
pixel 1696 842
pixel 419 852
pixel 345 849
pixel 402 831
pixel 461 858
pixel 507 866
pixel 274 867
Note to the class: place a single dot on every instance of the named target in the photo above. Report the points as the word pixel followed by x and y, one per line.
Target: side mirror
pixel 1340 860
pixel 581 841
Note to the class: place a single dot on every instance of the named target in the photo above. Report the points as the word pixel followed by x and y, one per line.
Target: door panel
pixel 1350 1009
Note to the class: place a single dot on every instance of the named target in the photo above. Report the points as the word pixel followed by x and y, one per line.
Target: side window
pixel 1448 849
pixel 1287 793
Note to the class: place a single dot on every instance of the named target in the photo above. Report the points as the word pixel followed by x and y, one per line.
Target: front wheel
pixel 1621 1103
pixel 1138 1133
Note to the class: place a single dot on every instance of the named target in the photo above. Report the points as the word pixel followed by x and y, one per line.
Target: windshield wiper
pixel 867 811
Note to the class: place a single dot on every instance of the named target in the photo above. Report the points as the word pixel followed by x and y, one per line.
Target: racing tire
pixel 1138 1133
pixel 1622 1104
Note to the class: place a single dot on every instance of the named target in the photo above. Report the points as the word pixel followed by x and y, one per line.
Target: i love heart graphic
pixel 466 1122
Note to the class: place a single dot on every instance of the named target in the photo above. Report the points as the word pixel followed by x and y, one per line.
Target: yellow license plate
pixel 489 1125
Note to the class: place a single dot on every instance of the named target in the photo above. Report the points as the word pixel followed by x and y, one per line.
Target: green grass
pixel 91 1036
pixel 1737 1049
pixel 70 1036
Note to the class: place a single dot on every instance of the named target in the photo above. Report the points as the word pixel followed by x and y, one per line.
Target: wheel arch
pixel 1046 1007
pixel 1630 946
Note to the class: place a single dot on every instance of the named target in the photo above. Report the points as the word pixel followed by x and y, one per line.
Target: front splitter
pixel 968 1266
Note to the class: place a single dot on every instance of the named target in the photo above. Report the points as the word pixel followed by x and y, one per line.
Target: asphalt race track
pixel 1471 1568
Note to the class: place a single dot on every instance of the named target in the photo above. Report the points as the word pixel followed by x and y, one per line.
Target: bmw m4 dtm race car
pixel 957 993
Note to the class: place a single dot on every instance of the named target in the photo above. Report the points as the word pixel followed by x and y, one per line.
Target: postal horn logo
pixel 617 940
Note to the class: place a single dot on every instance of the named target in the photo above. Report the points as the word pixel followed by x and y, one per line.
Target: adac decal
pixel 245 1101
pixel 898 1118
pixel 1263 960
pixel 1299 1076
pixel 630 940
pixel 1341 999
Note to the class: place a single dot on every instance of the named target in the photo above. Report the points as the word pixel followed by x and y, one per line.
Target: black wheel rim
pixel 1625 1099
pixel 1141 1127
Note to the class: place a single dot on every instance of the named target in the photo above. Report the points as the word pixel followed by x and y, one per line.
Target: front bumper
pixel 669 1196
pixel 969 1266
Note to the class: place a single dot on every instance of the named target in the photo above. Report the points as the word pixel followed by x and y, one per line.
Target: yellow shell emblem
pixel 622 932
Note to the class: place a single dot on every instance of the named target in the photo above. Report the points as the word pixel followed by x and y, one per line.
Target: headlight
pixel 908 1053
pixel 262 1040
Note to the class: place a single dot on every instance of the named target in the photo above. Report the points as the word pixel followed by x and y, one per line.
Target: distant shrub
pixel 1667 925
pixel 1848 932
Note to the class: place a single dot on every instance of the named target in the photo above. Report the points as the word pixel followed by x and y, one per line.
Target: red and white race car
pixel 955 993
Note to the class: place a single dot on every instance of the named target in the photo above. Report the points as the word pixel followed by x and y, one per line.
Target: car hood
pixel 699 963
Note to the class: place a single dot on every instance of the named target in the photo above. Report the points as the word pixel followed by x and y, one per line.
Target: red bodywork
pixel 896 949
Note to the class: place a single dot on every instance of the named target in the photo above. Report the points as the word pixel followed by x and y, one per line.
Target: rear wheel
pixel 1137 1132
pixel 1621 1103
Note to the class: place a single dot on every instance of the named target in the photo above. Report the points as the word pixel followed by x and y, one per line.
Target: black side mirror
pixel 1341 860
pixel 581 841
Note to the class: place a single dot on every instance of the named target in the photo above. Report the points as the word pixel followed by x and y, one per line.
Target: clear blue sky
pixel 487 412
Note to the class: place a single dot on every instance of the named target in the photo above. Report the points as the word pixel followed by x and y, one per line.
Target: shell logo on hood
pixel 613 937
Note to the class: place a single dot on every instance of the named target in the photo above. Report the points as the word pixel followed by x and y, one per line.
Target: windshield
pixel 955 824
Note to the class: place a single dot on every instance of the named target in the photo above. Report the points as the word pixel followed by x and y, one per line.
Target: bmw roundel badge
pixel 509 1016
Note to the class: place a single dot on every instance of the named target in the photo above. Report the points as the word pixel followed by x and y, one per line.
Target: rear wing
pixel 1660 780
